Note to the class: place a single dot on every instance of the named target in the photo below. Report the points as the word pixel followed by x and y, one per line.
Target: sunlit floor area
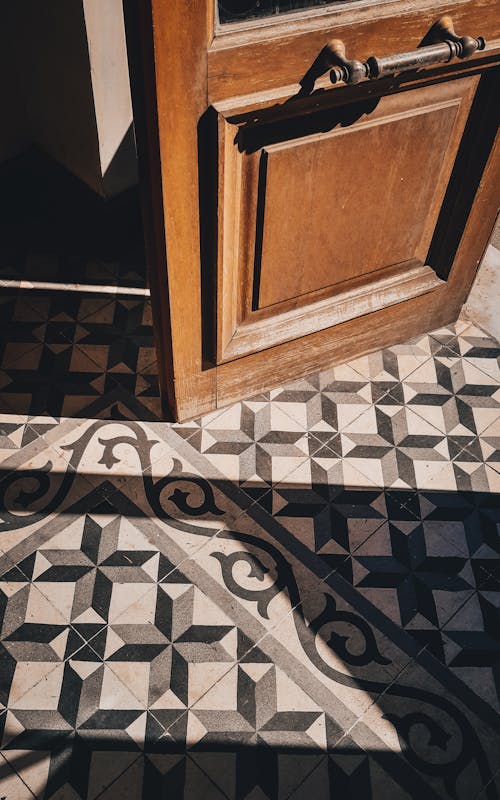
pixel 294 597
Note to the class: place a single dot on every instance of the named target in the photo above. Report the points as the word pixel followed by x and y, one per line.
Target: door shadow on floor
pixel 345 670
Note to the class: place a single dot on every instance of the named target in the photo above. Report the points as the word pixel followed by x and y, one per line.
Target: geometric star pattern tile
pixel 457 393
pixel 255 442
pixel 72 354
pixel 295 596
pixel 417 579
pixel 471 643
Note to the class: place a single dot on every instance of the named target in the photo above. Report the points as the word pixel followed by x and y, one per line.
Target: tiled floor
pixel 295 597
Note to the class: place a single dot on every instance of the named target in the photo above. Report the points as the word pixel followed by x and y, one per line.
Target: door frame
pixel 179 70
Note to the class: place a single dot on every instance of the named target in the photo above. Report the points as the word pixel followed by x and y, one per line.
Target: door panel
pixel 332 225
pixel 292 223
pixel 357 198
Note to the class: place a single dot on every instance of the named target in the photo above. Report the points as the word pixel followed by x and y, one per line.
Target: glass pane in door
pixel 239 10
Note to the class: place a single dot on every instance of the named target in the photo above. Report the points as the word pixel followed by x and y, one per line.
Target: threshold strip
pixel 89 288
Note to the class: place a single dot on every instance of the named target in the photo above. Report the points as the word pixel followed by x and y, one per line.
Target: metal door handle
pixel 451 46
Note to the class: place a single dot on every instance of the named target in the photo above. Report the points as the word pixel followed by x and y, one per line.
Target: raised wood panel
pixel 317 230
pixel 352 201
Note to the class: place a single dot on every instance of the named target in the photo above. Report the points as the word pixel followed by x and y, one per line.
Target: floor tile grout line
pixel 27 351
pixel 94 398
pixel 455 335
pixel 187 441
pixel 492 779
pixel 55 445
pixel 143 755
pixel 388 393
pixel 262 510
pixel 243 656
pixel 141 423
pixel 117 384
pixel 107 498
pixel 393 347
pixel 290 610
pixel 491 575
pixel 465 356
pixel 480 367
pixel 80 348
pixel 35 433
pixel 367 380
pixel 174 427
pixel 419 519
pixel 452 461
pixel 212 782
pixel 465 449
pixel 306 777
pixel 442 628
pixel 18 774
pixel 191 557
pixel 325 444
pixel 494 465
pixel 391 489
pixel 473 324
pixel 117 777
pixel 75 345
pixel 425 648
pixel 341 430
pixel 257 504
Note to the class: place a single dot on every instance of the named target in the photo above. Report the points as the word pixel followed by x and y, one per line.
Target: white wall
pixel 483 304
pixel 111 90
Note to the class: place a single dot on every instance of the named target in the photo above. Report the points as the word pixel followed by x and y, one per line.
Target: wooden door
pixel 296 220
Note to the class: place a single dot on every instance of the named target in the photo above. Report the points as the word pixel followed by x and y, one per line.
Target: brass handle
pixel 450 46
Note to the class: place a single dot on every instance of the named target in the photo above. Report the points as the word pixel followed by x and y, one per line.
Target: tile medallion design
pixel 296 596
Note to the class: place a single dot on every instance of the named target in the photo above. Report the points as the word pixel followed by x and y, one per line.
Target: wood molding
pixel 363 297
pixel 285 53
pixel 245 323
pixel 181 33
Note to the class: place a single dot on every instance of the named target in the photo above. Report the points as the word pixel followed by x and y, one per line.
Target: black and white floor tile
pixel 295 596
